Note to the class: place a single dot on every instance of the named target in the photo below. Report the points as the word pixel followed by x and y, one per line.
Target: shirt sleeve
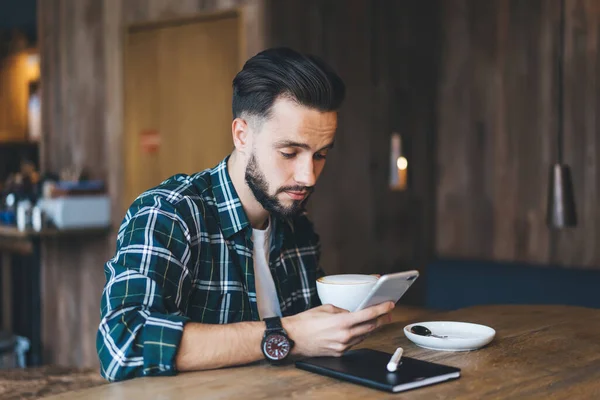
pixel 146 290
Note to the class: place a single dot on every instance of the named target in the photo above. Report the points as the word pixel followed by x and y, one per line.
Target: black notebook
pixel 368 368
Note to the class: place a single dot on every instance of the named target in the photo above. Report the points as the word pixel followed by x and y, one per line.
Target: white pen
pixel 395 360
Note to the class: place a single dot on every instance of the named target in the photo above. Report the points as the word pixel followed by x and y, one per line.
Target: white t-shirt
pixel 266 294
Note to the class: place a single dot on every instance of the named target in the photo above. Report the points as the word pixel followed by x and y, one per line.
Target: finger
pixel 370 326
pixel 331 309
pixel 370 313
pixel 342 347
pixel 356 341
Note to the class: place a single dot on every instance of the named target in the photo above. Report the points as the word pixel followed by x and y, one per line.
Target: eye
pixel 287 155
pixel 319 156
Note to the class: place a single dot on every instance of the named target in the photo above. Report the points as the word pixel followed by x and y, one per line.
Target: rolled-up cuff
pixel 161 339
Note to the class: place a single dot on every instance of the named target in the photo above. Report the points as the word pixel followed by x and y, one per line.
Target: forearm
pixel 206 346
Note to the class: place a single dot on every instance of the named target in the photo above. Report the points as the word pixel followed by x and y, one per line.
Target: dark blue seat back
pixel 452 284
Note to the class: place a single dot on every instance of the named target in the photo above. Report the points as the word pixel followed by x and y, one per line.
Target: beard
pixel 256 181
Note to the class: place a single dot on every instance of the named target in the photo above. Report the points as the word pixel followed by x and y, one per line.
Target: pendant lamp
pixel 561 211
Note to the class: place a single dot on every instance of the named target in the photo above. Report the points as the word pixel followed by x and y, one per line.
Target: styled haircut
pixel 283 72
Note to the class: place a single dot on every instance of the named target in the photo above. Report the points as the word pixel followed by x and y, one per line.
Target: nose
pixel 305 173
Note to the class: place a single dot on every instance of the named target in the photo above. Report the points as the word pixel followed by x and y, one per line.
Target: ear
pixel 240 131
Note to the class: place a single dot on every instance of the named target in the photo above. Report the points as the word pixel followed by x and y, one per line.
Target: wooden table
pixel 38 382
pixel 549 352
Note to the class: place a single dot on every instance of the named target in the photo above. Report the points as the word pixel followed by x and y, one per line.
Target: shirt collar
pixel 232 217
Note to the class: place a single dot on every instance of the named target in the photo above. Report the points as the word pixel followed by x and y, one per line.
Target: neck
pixel 257 215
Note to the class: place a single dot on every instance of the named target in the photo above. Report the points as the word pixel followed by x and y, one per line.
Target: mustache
pixel 307 189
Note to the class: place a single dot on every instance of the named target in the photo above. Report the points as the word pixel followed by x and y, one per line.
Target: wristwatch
pixel 276 345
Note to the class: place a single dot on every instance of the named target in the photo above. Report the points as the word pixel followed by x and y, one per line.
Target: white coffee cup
pixel 346 290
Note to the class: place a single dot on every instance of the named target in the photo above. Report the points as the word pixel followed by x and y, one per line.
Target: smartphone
pixel 390 287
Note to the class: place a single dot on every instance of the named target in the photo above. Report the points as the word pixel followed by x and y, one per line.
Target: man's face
pixel 288 156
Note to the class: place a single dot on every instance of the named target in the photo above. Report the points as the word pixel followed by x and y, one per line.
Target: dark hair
pixel 282 71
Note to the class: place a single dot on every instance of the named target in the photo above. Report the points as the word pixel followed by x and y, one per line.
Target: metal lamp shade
pixel 561 200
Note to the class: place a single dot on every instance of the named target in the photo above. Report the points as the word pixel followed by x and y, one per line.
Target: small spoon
pixel 423 331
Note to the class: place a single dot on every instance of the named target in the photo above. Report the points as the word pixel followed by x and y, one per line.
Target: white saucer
pixel 462 336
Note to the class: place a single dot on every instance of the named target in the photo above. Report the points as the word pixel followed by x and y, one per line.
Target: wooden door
pixel 178 99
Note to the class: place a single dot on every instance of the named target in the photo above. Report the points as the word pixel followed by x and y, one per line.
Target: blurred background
pixel 456 112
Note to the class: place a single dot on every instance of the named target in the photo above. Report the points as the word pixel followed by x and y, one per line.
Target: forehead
pixel 291 121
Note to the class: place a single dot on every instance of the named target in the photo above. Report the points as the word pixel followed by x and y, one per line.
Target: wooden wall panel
pixel 385 51
pixel 72 56
pixel 82 73
pixel 497 125
pixel 73 85
pixel 582 132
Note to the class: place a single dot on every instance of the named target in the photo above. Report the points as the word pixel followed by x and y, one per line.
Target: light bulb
pixel 402 163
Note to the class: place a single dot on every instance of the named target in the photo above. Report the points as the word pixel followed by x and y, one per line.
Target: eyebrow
pixel 290 143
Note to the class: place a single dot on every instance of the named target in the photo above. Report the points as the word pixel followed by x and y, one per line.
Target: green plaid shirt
pixel 184 253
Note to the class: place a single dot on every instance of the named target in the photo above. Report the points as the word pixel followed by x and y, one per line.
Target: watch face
pixel 276 347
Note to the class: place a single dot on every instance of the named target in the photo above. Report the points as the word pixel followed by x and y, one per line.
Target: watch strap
pixel 274 324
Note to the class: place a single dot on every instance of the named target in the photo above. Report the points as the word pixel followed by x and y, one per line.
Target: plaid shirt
pixel 184 253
